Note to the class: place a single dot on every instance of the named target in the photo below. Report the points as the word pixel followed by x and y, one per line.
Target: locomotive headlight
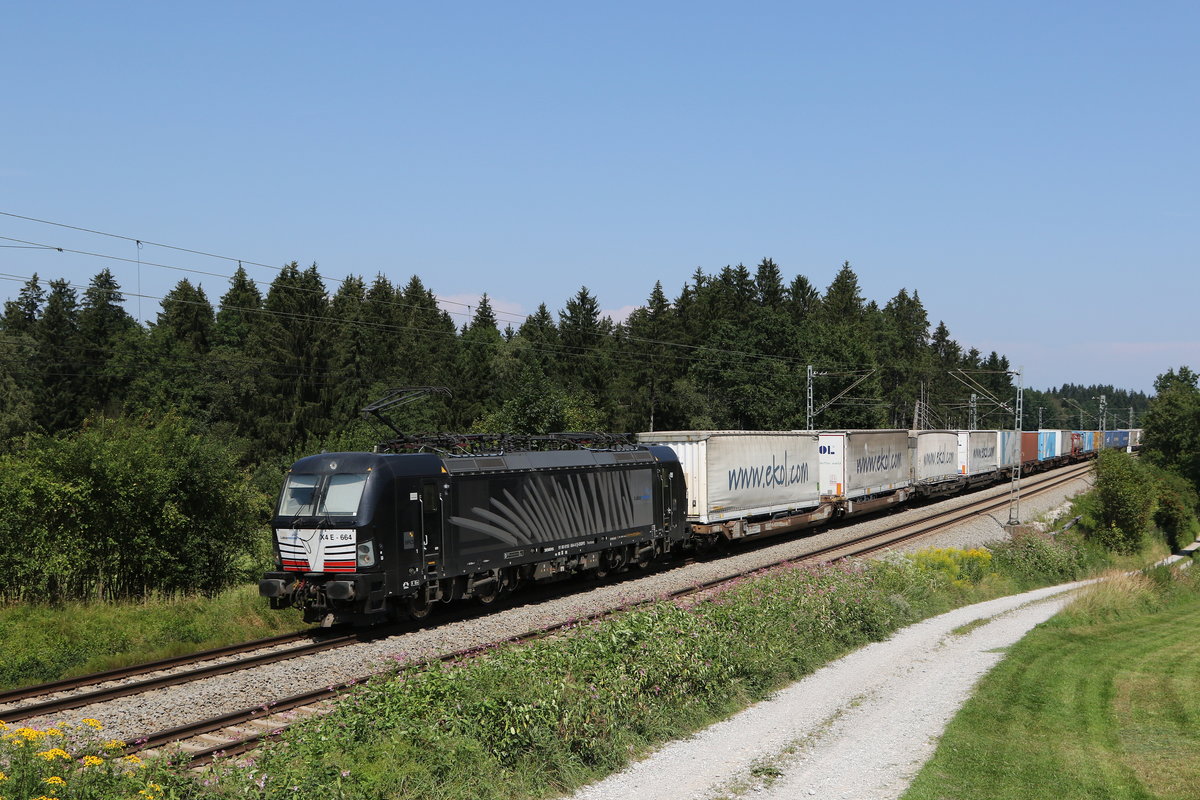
pixel 366 554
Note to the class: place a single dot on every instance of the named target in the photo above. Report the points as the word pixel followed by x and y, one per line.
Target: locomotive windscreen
pixel 308 495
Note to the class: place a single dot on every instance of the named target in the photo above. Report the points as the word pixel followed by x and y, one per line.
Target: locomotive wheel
pixel 419 608
pixel 504 585
pixel 489 596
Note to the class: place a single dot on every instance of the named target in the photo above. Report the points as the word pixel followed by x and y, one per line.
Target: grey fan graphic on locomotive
pixel 532 510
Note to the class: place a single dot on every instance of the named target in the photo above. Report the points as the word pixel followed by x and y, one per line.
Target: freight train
pixel 368 537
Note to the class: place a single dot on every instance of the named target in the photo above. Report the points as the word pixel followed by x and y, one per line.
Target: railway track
pixel 167 676
pixel 241 731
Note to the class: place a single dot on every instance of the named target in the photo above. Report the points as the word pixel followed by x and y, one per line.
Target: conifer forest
pixel 272 370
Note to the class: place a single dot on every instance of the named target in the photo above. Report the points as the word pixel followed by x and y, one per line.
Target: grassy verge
pixel 540 719
pixel 43 643
pixel 1102 701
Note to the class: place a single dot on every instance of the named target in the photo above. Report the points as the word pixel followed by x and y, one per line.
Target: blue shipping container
pixel 1086 441
pixel 1047 444
pixel 1116 439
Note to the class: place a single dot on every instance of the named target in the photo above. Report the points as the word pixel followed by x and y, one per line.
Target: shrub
pixel 1175 515
pixel 123 508
pixel 958 565
pixel 1127 499
pixel 1033 558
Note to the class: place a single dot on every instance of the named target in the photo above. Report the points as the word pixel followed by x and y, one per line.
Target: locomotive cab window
pixel 298 495
pixel 342 494
pixel 322 495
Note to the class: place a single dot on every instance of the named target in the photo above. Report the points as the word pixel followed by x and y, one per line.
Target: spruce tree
pixel 240 311
pixel 59 361
pixel 174 369
pixel 585 363
pixel 289 349
pixel 768 285
pixel 477 385
pixel 112 339
pixel 21 315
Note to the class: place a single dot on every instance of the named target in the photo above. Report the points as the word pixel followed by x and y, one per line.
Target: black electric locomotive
pixel 364 537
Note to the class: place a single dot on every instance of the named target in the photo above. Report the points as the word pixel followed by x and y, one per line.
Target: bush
pixel 1031 558
pixel 123 508
pixel 1175 515
pixel 958 565
pixel 1127 498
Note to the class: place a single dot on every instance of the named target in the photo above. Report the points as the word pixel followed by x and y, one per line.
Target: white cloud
pixel 619 315
pixel 462 306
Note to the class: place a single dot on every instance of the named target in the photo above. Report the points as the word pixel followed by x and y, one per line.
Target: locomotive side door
pixel 671 498
pixel 665 499
pixel 431 526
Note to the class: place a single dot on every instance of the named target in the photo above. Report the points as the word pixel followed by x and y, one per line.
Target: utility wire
pixel 241 261
pixel 519 317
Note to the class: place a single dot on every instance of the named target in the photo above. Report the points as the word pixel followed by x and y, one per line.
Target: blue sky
pixel 1030 168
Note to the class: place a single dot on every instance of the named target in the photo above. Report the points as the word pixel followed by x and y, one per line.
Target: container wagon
pixel 746 484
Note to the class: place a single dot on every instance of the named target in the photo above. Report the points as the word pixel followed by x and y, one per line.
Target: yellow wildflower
pixel 3 777
pixel 53 732
pixel 54 780
pixel 95 723
pixel 132 759
pixel 57 752
pixel 114 744
pixel 31 734
pixel 3 727
pixel 92 761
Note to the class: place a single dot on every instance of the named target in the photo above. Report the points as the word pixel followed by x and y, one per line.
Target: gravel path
pixel 860 727
pixel 131 717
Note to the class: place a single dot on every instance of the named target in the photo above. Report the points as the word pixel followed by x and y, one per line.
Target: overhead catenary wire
pixel 632 358
pixel 704 353
pixel 707 349
pixel 241 261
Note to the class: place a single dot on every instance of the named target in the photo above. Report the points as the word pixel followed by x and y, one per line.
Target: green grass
pixel 1101 702
pixel 42 643
pixel 539 719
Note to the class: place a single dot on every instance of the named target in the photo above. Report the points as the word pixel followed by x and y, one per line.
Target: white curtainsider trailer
pixel 978 455
pixel 744 484
pixel 935 462
pixel 865 469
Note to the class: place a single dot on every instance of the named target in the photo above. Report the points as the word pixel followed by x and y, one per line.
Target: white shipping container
pixel 978 452
pixel 735 474
pixel 861 463
pixel 935 457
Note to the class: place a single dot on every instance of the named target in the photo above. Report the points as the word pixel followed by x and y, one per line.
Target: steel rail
pixel 174 679
pixel 66 684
